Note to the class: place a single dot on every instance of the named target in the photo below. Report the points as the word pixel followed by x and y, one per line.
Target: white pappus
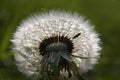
pixel 55 38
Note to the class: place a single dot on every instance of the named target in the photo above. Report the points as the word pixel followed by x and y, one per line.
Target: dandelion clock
pixel 55 45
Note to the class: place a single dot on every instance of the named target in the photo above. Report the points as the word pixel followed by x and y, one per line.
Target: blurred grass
pixel 104 14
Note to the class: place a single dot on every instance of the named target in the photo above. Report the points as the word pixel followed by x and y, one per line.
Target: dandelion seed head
pixel 34 30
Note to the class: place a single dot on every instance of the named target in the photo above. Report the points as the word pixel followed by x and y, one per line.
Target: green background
pixel 104 14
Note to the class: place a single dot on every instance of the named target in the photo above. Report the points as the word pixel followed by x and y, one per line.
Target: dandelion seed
pixel 55 45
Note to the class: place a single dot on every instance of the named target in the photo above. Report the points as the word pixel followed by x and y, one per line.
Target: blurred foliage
pixel 104 14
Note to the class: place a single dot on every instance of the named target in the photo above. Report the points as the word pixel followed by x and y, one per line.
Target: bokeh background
pixel 104 14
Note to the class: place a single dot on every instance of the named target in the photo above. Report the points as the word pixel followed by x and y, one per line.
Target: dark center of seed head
pixel 56 43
